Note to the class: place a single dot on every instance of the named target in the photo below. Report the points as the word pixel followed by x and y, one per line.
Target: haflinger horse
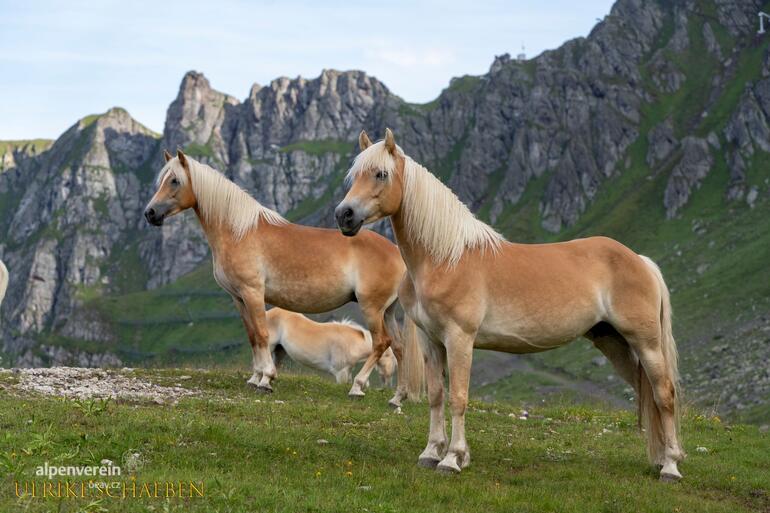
pixel 468 287
pixel 333 347
pixel 259 257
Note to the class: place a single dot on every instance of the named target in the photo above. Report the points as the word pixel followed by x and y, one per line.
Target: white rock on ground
pixel 82 383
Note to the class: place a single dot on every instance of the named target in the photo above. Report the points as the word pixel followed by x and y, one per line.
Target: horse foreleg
pixel 254 307
pixel 256 375
pixel 435 360
pixel 459 348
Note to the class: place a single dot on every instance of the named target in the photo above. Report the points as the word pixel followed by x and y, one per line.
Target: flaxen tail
pixel 649 415
pixel 413 360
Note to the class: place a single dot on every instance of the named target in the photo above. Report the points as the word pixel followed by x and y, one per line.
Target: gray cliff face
pixel 748 131
pixel 555 128
pixel 688 174
pixel 67 215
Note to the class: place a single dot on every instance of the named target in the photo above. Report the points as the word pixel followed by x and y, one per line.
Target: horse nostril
pixel 347 213
pixel 150 212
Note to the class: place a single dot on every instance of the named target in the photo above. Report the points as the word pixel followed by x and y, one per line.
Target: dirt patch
pixel 82 383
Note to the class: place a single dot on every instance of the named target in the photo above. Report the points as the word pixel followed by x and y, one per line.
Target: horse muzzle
pixel 347 220
pixel 154 217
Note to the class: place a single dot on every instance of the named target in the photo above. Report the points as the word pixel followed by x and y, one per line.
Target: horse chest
pixel 224 281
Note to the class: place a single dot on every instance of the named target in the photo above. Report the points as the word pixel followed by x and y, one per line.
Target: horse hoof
pixel 427 462
pixel 448 468
pixel 355 391
pixel 670 478
pixel 394 404
pixel 264 390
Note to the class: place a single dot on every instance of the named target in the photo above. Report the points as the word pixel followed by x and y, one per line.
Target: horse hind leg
pixel 397 346
pixel 615 348
pixel 435 362
pixel 343 375
pixel 657 398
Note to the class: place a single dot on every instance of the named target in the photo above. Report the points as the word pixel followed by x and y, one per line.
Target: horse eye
pixel 174 181
pixel 381 175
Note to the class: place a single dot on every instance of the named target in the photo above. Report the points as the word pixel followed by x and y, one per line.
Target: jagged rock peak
pixel 197 113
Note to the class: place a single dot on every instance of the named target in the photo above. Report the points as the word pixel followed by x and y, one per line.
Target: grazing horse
pixel 259 257
pixel 469 288
pixel 333 347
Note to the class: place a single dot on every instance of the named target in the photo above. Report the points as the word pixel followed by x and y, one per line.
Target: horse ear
pixel 182 158
pixel 390 141
pixel 167 155
pixel 363 140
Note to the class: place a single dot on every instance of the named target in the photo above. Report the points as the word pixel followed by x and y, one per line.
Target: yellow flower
pixel 349 473
pixel 349 463
pixel 318 473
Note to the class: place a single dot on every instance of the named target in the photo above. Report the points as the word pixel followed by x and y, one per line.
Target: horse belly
pixel 535 332
pixel 308 292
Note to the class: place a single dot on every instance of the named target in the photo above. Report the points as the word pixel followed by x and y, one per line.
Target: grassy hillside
pixel 261 453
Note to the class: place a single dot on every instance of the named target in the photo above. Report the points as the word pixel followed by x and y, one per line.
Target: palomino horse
pixel 259 258
pixel 470 288
pixel 333 347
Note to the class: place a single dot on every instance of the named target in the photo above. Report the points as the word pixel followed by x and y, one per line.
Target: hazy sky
pixel 62 60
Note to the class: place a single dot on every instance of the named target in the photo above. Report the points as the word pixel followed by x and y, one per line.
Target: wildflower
pixel 349 473
pixel 349 463
pixel 317 473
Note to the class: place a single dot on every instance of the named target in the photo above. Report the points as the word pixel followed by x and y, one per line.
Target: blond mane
pixel 220 200
pixel 434 216
pixel 352 324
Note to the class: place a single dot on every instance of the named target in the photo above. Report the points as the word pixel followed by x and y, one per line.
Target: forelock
pixel 374 158
pixel 172 166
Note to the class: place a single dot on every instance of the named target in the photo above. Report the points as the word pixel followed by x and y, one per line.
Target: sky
pixel 62 60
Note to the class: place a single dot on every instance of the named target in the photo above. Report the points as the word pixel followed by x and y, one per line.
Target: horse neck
pixel 219 235
pixel 413 253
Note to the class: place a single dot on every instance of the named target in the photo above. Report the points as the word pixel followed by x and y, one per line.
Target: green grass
pixel 30 145
pixel 254 454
